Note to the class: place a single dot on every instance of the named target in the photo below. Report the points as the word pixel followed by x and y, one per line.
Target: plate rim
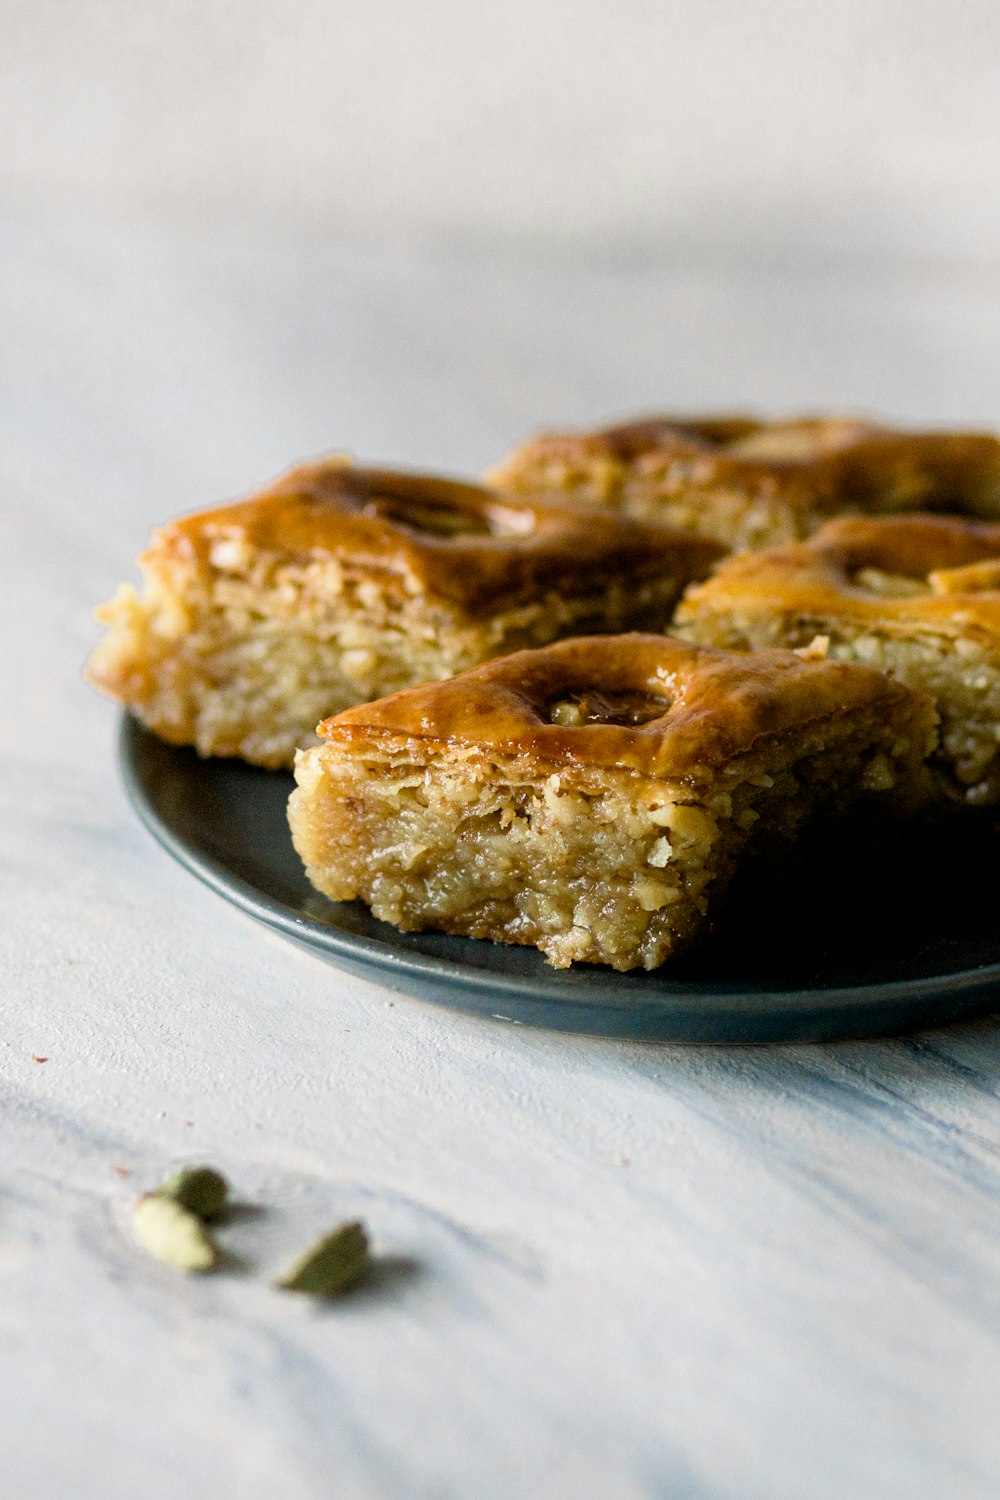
pixel 385 955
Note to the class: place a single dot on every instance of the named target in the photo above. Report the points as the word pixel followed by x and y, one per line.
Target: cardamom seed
pixel 332 1266
pixel 201 1190
pixel 173 1233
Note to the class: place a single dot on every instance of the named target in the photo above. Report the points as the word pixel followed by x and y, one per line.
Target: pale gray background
pixel 865 127
pixel 234 234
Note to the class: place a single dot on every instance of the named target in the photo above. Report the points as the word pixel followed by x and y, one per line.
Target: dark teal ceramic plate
pixel 910 940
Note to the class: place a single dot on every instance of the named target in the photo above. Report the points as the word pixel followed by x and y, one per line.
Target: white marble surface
pixel 611 1270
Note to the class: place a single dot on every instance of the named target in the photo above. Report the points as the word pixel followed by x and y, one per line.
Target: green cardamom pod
pixel 173 1234
pixel 201 1190
pixel 332 1266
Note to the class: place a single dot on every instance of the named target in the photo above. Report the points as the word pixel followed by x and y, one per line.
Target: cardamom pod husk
pixel 173 1234
pixel 201 1190
pixel 333 1265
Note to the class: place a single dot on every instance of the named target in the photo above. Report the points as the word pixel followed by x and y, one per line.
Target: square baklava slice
pixel 917 597
pixel 341 584
pixel 750 483
pixel 594 799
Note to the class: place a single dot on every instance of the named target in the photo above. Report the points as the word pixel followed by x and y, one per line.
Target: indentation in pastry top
pixel 652 704
pixel 799 470
pixel 939 570
pixel 433 507
pixel 596 706
pixel 463 543
pixel 742 439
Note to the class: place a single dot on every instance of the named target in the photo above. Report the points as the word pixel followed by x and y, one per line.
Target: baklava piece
pixel 595 798
pixel 915 596
pixel 341 584
pixel 749 483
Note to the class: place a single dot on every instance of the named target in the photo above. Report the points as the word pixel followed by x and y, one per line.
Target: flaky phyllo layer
pixel 750 483
pixel 917 598
pixel 248 663
pixel 342 585
pixel 586 862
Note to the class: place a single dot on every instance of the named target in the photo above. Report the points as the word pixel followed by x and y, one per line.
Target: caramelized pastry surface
pixel 911 570
pixel 594 799
pixel 461 543
pixel 752 483
pixel 917 596
pixel 340 584
pixel 651 704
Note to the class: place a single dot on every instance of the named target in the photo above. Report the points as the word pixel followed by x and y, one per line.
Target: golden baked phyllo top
pixel 933 570
pixel 815 464
pixel 458 542
pixel 644 703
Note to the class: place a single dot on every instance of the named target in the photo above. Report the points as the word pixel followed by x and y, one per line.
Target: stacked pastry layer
pixel 748 483
pixel 593 799
pixel 916 596
pixel 339 584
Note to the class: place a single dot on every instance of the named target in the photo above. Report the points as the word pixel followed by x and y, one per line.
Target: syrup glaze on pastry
pixel 687 711
pixel 750 483
pixel 917 596
pixel 593 799
pixel 457 543
pixel 339 584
